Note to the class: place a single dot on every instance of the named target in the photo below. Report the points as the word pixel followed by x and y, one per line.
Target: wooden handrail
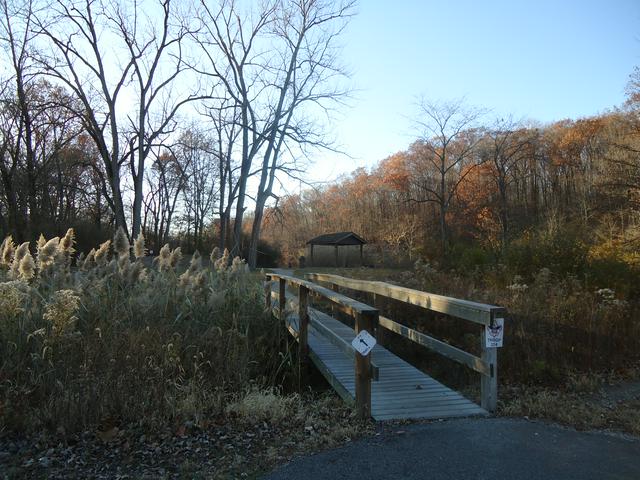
pixel 486 365
pixel 365 316
pixel 348 305
pixel 342 345
pixel 443 348
pixel 465 309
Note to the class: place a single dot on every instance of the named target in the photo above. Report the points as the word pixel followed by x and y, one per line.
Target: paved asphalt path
pixel 492 449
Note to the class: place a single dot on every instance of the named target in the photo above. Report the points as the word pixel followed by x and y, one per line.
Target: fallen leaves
pixel 108 435
pixel 216 448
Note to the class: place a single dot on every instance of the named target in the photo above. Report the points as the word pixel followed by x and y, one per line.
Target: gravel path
pixel 492 449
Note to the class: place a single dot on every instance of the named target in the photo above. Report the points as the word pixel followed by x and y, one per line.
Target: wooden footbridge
pixel 383 385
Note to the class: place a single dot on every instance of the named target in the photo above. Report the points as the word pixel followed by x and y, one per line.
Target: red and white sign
pixel 494 333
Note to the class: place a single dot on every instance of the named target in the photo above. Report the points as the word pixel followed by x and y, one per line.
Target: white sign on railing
pixel 363 343
pixel 495 333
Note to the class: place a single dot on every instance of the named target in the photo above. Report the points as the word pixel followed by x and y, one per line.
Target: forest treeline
pixel 180 119
pixel 160 116
pixel 468 193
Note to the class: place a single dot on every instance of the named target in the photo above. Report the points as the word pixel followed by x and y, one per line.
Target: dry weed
pixel 114 338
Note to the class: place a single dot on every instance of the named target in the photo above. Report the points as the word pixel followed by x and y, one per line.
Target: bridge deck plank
pixel 401 392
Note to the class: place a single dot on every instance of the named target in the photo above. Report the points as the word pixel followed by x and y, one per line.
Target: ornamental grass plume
pixel 42 241
pixel 164 258
pixel 200 280
pixel 61 312
pixel 8 248
pixel 112 267
pixel 136 273
pixel 89 260
pixel 47 254
pixel 194 267
pixel 20 253
pixel 123 264
pixel 67 242
pixel 196 263
pixel 102 253
pixel 121 243
pixel 191 273
pixel 27 268
pixel 65 249
pixel 215 254
pixel 176 256
pixel 238 266
pixel 221 264
pixel 139 250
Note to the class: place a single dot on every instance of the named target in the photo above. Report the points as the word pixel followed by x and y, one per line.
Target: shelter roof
pixel 338 238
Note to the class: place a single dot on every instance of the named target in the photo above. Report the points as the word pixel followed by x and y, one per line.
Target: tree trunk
pixel 255 232
pixel 242 183
pixel 118 205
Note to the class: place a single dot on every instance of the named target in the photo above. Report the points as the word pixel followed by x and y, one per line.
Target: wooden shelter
pixel 336 240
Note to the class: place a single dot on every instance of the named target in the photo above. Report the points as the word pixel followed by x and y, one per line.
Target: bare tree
pixel 505 144
pixel 37 129
pixel 225 121
pixel 83 34
pixel 232 53
pixel 307 74
pixel 17 39
pixel 276 65
pixel 166 180
pixel 196 153
pixel 448 140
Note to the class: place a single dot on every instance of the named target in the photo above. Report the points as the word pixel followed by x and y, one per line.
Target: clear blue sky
pixel 542 60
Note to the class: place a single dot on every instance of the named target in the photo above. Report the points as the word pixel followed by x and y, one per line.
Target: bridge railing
pixel 486 364
pixel 365 318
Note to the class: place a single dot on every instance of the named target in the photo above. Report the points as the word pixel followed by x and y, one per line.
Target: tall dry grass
pixel 556 325
pixel 109 337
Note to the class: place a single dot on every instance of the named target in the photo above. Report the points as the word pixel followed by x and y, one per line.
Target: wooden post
pixel 312 263
pixel 489 383
pixel 361 257
pixel 336 251
pixel 267 292
pixel 282 299
pixel 303 328
pixel 363 367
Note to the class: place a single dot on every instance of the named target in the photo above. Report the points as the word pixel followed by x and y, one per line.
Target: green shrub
pixel 613 272
pixel 563 252
pixel 467 258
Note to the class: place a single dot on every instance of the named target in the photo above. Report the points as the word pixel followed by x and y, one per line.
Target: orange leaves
pixel 393 171
pixel 567 140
